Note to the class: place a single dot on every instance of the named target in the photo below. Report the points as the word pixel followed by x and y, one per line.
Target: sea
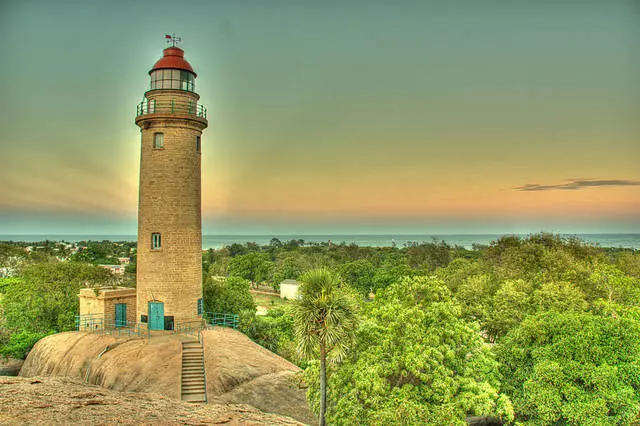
pixel 383 240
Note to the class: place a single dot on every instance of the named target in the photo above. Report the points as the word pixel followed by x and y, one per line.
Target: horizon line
pixel 341 234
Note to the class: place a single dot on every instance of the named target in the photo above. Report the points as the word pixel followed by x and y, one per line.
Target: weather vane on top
pixel 172 39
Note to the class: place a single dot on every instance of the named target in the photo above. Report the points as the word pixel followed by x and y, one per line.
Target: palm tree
pixel 325 319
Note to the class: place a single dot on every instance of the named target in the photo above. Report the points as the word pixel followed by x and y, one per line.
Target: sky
pixel 421 117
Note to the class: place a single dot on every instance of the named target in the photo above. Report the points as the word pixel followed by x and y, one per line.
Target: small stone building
pixel 289 289
pixel 107 307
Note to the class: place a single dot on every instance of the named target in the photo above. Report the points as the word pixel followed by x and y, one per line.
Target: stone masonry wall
pixel 170 204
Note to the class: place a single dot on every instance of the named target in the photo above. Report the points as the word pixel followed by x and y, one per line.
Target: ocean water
pixel 218 241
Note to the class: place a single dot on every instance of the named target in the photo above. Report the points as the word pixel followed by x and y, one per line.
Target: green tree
pixel 629 263
pixel 573 368
pixel 230 295
pixel 325 319
pixel 47 297
pixel 458 270
pixel 416 361
pixel 559 296
pixel 613 285
pixel 476 295
pixel 511 303
pixel 236 249
pixel 274 331
pixel 391 270
pixel 359 275
pixel 255 267
pixel 288 267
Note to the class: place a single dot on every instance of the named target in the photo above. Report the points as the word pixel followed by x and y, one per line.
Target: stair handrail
pixel 204 371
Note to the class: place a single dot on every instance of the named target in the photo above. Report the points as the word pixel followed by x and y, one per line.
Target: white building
pixel 289 289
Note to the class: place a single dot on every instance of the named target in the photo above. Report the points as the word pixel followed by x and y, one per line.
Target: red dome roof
pixel 173 59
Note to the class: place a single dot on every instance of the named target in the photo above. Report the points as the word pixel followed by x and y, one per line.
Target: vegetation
pixel 274 331
pixel 228 295
pixel 536 330
pixel 324 321
pixel 41 295
pixel 416 361
pixel 573 368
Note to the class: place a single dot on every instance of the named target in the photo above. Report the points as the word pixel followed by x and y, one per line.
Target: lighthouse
pixel 169 256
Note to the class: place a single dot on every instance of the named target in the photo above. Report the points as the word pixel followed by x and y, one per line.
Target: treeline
pixel 94 252
pixel 365 268
pixel 536 330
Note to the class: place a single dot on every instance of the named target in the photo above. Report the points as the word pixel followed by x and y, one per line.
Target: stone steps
pixel 193 385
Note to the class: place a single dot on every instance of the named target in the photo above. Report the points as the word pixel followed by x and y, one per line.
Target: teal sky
pixel 354 116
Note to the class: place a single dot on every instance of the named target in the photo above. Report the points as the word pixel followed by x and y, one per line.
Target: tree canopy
pixel 416 361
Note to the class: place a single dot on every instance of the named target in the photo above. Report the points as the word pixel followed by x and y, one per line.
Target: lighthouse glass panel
pixel 172 79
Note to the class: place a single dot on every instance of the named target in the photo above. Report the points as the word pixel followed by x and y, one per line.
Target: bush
pixel 21 343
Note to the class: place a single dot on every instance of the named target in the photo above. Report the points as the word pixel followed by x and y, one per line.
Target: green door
pixel 121 314
pixel 156 316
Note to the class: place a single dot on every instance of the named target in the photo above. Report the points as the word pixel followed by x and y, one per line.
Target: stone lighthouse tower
pixel 169 265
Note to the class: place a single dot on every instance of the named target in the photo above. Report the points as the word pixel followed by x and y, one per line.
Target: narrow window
pixel 158 140
pixel 156 241
pixel 197 143
pixel 200 307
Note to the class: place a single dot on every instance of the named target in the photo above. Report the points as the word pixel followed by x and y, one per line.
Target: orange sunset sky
pixel 331 117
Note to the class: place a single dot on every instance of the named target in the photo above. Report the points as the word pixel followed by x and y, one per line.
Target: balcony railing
pixel 170 107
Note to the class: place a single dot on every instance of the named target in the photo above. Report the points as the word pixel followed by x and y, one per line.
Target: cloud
pixel 575 184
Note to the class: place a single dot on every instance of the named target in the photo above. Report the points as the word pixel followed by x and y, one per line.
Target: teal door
pixel 121 314
pixel 156 316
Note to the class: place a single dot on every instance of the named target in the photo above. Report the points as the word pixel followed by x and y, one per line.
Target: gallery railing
pixel 170 107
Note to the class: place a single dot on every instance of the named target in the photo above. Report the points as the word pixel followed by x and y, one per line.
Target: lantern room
pixel 172 71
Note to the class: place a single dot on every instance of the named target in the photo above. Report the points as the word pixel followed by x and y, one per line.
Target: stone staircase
pixel 193 375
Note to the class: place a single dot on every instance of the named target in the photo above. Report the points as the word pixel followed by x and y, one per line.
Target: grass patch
pixel 268 301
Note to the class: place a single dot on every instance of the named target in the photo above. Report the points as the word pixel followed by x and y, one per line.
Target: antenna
pixel 172 39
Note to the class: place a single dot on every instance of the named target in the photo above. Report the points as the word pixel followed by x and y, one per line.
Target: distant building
pixel 289 289
pixel 124 260
pixel 115 269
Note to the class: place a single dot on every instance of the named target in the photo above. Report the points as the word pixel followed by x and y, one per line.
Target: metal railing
pixel 188 328
pixel 221 319
pixel 170 107
pixel 204 370
pixel 96 323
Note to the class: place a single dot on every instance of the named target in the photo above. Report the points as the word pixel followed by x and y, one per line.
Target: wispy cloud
pixel 575 184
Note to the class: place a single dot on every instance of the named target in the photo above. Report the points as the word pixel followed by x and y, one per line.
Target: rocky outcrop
pixel 242 372
pixel 123 364
pixel 62 400
pixel 238 371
